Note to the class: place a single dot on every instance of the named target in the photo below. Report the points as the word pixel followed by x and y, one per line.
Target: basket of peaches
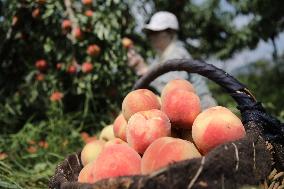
pixel 167 141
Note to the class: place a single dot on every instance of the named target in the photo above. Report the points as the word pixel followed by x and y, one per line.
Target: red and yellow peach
pixel 166 150
pixel 215 126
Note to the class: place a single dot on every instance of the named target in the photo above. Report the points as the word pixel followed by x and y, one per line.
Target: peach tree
pixel 63 57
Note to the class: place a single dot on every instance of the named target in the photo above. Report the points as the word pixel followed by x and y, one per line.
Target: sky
pixel 262 51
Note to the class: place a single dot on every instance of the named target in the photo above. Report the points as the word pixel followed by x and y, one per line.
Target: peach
pixel 182 107
pixel 159 99
pixel 77 33
pixel 115 141
pixel 116 160
pixel 41 65
pixel 56 96
pixel 85 173
pixel 93 50
pixel 91 151
pixel 87 67
pixel 119 127
pixel 166 150
pixel 145 127
pixel 139 100
pixel 36 13
pixel 107 133
pixel 215 126
pixel 72 69
pixel 177 84
pixel 87 2
pixel 127 43
pixel 66 24
pixel 89 13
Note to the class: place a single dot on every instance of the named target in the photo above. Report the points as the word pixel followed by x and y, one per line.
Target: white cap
pixel 161 21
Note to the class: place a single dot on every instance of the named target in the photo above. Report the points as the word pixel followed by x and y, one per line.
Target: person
pixel 162 33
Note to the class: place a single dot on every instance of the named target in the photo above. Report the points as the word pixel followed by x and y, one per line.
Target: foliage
pixel 57 79
pixel 40 56
pixel 35 150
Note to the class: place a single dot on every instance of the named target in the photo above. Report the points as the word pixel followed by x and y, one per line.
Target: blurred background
pixel 63 70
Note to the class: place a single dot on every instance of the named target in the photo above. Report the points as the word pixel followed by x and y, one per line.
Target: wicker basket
pixel 257 158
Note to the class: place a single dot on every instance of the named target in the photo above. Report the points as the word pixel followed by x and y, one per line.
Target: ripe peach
pixel 77 33
pixel 87 67
pixel 15 20
pixel 159 99
pixel 89 13
pixel 127 43
pixel 32 149
pixel 166 150
pixel 72 69
pixel 41 1
pixel 181 107
pixel 107 133
pixel 91 151
pixel 119 127
pixel 87 2
pixel 116 160
pixel 56 96
pixel 41 65
pixel 39 77
pixel 85 173
pixel 146 126
pixel 139 100
pixel 66 25
pixel 215 126
pixel 115 141
pixel 36 13
pixel 177 84
pixel 59 66
pixel 3 155
pixel 93 50
pixel 43 144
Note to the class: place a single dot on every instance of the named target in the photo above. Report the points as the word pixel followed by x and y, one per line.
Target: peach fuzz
pixel 139 100
pixel 166 150
pixel 177 84
pixel 182 107
pixel 107 133
pixel 215 126
pixel 85 173
pixel 145 127
pixel 91 151
pixel 119 127
pixel 116 160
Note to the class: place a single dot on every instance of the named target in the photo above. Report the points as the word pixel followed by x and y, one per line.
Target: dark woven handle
pixel 253 114
pixel 213 73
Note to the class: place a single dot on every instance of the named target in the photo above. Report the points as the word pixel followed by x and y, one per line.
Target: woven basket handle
pixel 251 110
pixel 213 73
